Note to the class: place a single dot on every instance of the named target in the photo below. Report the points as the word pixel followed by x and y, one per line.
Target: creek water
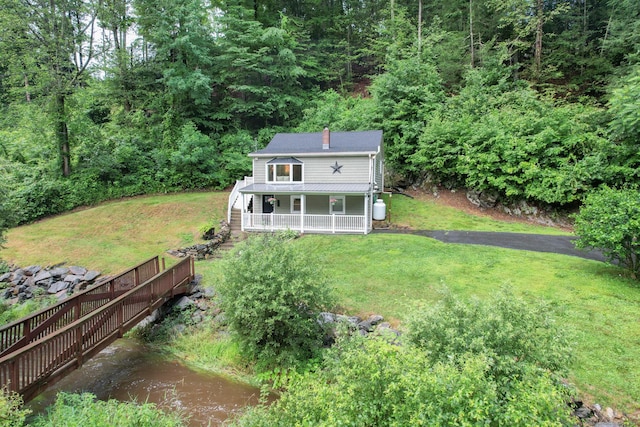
pixel 127 370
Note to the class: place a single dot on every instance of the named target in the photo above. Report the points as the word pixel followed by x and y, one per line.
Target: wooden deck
pixel 40 349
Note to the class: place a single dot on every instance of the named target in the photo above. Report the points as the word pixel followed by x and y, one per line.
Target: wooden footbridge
pixel 40 349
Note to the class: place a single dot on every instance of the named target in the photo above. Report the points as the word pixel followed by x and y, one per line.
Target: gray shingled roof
pixel 305 188
pixel 311 143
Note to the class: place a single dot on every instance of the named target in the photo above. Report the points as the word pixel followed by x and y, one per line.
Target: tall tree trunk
pixel 419 26
pixel 62 135
pixel 26 88
pixel 538 46
pixel 473 51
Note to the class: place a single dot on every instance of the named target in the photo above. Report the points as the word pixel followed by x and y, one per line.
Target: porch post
pixel 366 212
pixel 302 210
pixel 242 208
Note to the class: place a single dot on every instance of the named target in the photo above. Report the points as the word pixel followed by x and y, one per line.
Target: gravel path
pixel 527 242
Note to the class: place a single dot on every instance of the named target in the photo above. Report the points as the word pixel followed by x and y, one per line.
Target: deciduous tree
pixel 609 220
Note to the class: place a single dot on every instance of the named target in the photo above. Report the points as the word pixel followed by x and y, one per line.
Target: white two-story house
pixel 323 182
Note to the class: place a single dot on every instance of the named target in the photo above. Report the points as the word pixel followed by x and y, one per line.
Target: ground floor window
pixel 336 204
pixel 296 204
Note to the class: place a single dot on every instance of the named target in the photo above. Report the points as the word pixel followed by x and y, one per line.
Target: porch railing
pixel 305 223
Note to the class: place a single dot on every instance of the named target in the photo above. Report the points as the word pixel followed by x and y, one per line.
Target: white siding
pixel 320 170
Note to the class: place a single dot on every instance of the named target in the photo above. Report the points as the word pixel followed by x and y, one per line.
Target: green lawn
pixel 114 236
pixel 426 214
pixel 383 274
pixel 387 275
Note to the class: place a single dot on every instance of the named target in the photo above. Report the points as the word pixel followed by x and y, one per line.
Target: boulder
pixel 58 271
pixel 32 270
pixel 183 303
pixel 56 287
pixel 42 276
pixel 77 271
pixel 90 275
pixel 483 199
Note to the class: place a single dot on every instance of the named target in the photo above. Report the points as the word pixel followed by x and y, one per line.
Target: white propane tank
pixel 379 210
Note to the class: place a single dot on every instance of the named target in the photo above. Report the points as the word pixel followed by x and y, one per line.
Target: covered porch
pixel 316 208
pixel 305 223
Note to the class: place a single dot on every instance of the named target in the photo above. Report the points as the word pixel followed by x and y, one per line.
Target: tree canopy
pixel 528 99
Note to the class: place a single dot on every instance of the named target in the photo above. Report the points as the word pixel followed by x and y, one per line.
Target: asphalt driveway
pixel 526 242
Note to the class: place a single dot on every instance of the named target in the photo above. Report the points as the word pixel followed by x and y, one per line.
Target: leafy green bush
pixel 515 335
pixel 370 382
pixel 9 313
pixel 507 139
pixel 80 410
pixel 609 220
pixel 11 412
pixel 271 294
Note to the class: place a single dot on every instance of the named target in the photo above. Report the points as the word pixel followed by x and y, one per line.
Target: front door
pixel 267 207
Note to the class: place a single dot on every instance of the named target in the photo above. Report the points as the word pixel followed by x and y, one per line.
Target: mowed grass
pixel 114 236
pixel 382 274
pixel 390 274
pixel 425 214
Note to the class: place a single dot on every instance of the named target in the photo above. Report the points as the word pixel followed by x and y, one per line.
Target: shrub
pixel 271 294
pixel 71 410
pixel 369 382
pixel 514 334
pixel 609 220
pixel 11 412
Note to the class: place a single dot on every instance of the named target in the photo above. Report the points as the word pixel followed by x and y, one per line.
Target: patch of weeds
pixel 4 267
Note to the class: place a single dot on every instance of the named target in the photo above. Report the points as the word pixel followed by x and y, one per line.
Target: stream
pixel 127 370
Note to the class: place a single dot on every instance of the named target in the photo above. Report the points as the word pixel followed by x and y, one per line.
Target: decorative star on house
pixel 337 167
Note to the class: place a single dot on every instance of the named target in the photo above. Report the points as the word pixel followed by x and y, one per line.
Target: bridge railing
pixel 48 320
pixel 46 360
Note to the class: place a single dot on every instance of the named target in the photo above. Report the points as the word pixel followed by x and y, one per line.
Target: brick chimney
pixel 326 138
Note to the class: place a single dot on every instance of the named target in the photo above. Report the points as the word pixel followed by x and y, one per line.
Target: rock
pixel 5 277
pixel 375 319
pixel 57 287
pixel 183 303
pixel 72 278
pixel 8 293
pixel 607 424
pixel 483 199
pixel 90 275
pixel 583 412
pixel 352 320
pixel 42 276
pixel 366 326
pixel 32 270
pixel 58 271
pixel 62 294
pixel 609 413
pixel 77 271
pixel 325 317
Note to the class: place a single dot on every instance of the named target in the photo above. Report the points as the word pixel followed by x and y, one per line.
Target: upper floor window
pixel 284 170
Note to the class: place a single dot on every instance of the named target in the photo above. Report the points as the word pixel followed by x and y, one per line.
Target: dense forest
pixel 527 99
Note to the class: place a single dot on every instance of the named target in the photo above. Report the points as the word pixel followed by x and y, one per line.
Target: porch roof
pixel 356 188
